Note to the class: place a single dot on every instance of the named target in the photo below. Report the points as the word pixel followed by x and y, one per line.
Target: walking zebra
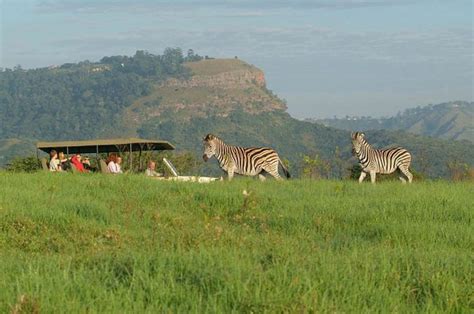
pixel 383 161
pixel 244 161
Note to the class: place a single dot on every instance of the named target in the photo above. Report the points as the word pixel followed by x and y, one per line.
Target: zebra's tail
pixel 285 170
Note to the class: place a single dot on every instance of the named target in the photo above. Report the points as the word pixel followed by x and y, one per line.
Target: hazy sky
pixel 325 57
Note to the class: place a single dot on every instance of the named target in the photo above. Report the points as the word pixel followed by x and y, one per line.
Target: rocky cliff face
pixel 217 86
pixel 226 80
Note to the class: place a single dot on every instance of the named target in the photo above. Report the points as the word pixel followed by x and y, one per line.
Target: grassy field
pixel 91 243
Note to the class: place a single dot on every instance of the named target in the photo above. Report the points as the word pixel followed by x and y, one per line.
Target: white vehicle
pixel 177 177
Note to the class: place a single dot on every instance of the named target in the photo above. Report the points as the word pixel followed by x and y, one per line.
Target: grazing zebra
pixel 244 161
pixel 383 161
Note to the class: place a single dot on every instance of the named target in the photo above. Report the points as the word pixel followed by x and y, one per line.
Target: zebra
pixel 382 161
pixel 244 161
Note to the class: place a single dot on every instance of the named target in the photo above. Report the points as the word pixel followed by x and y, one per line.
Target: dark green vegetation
pixel 78 101
pixel 85 243
pixel 181 99
pixel 453 120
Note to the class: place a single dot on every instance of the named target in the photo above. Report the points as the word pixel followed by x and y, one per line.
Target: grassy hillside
pixel 73 243
pixel 453 121
pixel 167 97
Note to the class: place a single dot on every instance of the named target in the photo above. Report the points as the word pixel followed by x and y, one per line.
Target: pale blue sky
pixel 325 57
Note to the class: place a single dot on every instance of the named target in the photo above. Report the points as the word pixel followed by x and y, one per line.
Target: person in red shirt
pixel 76 161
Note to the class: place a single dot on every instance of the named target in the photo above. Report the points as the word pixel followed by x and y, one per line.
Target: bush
pixel 24 164
pixel 315 167
pixel 460 171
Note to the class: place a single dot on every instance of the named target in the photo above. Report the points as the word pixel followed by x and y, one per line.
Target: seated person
pixel 150 171
pixel 113 163
pixel 76 161
pixel 54 163
pixel 62 158
pixel 86 163
pixel 65 162
pixel 118 164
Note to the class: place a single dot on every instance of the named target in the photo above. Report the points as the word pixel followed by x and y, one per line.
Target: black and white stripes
pixel 382 161
pixel 243 161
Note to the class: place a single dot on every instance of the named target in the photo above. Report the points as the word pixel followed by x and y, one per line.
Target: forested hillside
pixel 84 100
pixel 453 120
pixel 181 99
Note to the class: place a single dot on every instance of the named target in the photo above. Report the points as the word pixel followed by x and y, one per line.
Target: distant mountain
pixel 452 121
pixel 181 99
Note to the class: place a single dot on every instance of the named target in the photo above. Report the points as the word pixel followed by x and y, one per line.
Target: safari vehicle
pixel 177 177
pixel 120 145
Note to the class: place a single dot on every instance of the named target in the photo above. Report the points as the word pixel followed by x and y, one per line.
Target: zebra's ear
pixel 209 137
pixel 352 135
pixel 362 135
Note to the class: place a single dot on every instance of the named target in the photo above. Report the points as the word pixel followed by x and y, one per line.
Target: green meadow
pixel 130 244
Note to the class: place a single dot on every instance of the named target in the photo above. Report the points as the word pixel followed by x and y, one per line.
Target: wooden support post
pixel 130 157
pixel 140 159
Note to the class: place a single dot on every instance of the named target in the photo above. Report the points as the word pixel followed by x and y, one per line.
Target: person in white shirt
pixel 54 163
pixel 150 171
pixel 113 163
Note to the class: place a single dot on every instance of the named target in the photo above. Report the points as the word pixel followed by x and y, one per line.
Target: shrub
pixel 24 164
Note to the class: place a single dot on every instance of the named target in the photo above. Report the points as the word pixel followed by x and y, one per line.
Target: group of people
pixel 59 162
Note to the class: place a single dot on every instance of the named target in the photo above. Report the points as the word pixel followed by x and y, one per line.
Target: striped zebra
pixel 382 161
pixel 243 161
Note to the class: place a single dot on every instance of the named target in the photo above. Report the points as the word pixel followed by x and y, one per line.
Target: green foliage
pixel 315 167
pixel 24 164
pixel 460 171
pixel 80 101
pixel 96 243
pixel 355 171
pixel 192 57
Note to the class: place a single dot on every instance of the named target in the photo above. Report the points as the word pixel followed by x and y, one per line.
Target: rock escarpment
pixel 215 87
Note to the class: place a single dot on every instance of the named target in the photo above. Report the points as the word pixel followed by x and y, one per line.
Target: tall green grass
pixel 94 243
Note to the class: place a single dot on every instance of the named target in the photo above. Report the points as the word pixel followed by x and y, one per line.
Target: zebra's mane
pixel 360 137
pixel 210 137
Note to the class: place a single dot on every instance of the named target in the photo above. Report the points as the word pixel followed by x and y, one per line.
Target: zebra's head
pixel 357 140
pixel 209 147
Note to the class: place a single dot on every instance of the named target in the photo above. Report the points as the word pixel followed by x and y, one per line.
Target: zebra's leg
pixel 262 177
pixel 403 180
pixel 372 176
pixel 273 171
pixel 407 173
pixel 276 175
pixel 230 173
pixel 362 176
